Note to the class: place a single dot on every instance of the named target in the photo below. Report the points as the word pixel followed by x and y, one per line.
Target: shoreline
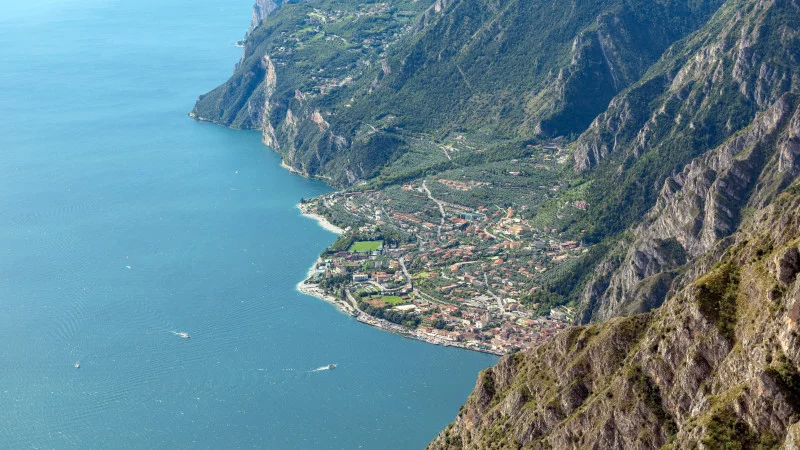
pixel 322 221
pixel 313 290
pixel 291 169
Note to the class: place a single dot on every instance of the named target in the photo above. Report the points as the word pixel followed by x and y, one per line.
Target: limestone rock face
pixel 746 58
pixel 718 363
pixel 727 160
pixel 696 209
pixel 261 10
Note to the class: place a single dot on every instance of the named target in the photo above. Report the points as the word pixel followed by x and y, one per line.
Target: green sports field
pixel 365 246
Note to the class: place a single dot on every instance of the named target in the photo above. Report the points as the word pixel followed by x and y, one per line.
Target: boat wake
pixel 328 367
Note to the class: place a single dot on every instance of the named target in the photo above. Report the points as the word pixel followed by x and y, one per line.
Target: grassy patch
pixel 365 246
pixel 787 377
pixel 726 431
pixel 393 300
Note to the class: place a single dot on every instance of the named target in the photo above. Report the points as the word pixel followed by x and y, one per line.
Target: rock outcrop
pixel 695 210
pixel 705 86
pixel 261 10
pixel 721 109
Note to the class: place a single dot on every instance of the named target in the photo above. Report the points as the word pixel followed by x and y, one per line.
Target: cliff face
pixel 302 73
pixel 261 10
pixel 696 210
pixel 703 98
pixel 705 87
pixel 716 365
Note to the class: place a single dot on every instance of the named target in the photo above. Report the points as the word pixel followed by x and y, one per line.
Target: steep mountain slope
pixel 696 101
pixel 697 208
pixel 338 87
pixel 520 68
pixel 716 366
pixel 261 10
pixel 297 74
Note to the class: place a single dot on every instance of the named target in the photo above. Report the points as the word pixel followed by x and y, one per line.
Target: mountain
pixel 705 150
pixel 715 367
pixel 661 139
pixel 299 69
pixel 339 87
pixel 681 149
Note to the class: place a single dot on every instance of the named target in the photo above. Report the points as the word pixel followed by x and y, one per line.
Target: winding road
pixel 441 210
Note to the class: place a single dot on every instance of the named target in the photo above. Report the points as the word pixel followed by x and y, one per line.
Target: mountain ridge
pixel 653 150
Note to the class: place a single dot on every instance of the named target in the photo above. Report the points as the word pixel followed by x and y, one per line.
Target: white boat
pixel 331 366
pixel 184 335
pixel 77 364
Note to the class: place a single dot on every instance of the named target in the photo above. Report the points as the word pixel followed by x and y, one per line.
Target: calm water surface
pixel 122 221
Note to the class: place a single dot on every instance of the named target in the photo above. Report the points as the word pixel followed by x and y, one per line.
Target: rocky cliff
pixel 715 367
pixel 720 94
pixel 261 10
pixel 705 87
pixel 696 210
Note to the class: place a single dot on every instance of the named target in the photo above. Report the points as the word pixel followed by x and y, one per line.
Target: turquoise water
pixel 121 221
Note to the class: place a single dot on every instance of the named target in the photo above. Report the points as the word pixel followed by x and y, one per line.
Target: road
pixel 441 210
pixel 490 234
pixel 353 302
pixel 402 262
pixel 489 291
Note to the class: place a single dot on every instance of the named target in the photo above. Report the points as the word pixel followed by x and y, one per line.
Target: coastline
pixel 313 290
pixel 322 221
pixel 291 169
pixel 350 308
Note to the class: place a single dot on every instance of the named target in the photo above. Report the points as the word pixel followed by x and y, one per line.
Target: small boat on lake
pixel 77 364
pixel 184 335
pixel 331 366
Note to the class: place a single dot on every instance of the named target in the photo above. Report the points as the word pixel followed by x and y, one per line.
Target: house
pixel 517 230
pixel 360 277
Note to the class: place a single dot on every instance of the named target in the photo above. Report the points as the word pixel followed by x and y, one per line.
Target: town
pixel 440 271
